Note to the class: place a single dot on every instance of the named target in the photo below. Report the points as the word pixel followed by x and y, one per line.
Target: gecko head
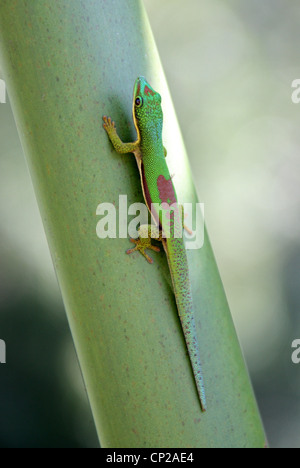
pixel 146 104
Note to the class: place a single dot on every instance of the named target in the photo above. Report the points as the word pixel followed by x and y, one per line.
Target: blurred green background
pixel 230 66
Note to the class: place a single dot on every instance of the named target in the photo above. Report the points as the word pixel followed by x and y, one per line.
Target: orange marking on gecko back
pixel 166 190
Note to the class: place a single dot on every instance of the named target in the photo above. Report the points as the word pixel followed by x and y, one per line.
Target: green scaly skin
pixel 159 195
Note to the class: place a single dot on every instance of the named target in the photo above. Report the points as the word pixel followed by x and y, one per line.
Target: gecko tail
pixel 178 265
pixel 190 335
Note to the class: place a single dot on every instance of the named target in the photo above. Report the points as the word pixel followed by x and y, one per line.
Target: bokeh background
pixel 230 66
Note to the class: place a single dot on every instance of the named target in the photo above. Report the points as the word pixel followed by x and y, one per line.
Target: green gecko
pixel 160 195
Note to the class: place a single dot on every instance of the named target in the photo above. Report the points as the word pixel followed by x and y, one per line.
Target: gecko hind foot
pixel 141 246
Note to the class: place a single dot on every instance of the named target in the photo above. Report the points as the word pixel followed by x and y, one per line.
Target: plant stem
pixel 66 63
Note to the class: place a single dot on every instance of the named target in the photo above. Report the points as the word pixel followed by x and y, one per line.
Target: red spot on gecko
pixel 148 91
pixel 138 89
pixel 166 190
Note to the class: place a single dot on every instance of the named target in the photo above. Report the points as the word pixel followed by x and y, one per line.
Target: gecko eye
pixel 139 101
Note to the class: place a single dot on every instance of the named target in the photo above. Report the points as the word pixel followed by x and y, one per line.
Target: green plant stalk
pixel 66 64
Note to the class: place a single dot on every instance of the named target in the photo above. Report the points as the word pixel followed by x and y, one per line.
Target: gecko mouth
pixel 138 86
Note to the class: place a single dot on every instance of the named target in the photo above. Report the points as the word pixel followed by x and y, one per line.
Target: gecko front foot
pixel 108 124
pixel 141 245
pixel 110 128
